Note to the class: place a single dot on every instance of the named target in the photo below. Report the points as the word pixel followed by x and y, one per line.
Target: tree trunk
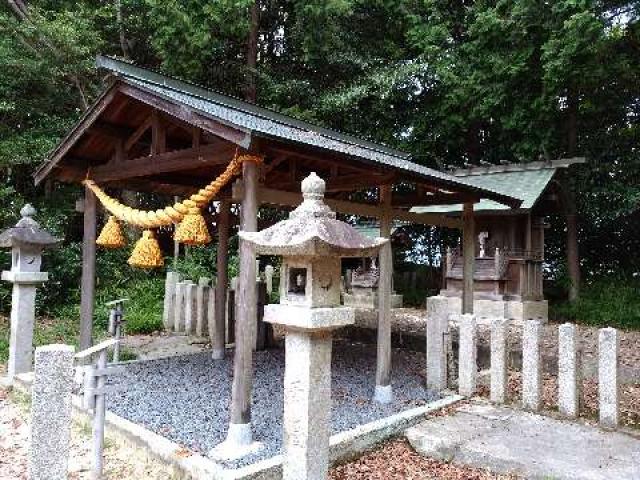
pixel 573 258
pixel 124 46
pixel 250 93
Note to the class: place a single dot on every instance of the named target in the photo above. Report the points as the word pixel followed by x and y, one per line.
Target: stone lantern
pixel 26 240
pixel 311 242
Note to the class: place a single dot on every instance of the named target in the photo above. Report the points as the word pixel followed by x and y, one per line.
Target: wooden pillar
pixel 176 244
pixel 246 298
pixel 88 279
pixel 469 257
pixel 383 391
pixel 222 264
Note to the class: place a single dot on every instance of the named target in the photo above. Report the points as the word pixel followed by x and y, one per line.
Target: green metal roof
pixel 526 185
pixel 273 124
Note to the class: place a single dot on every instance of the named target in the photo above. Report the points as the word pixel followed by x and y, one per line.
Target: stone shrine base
pixel 515 310
pixel 359 300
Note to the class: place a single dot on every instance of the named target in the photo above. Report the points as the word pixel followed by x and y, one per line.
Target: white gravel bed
pixel 186 398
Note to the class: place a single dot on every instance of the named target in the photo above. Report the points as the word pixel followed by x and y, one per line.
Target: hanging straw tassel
pixel 146 253
pixel 111 235
pixel 192 230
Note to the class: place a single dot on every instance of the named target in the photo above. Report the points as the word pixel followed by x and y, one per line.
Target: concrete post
pixel 51 412
pixel 178 316
pixel 307 400
pixel 169 310
pixel 499 332
pixel 467 361
pixel 190 308
pixel 201 305
pixel 268 278
pixel 567 370
pixel 212 325
pixel 531 365
pixel 437 330
pixel 608 385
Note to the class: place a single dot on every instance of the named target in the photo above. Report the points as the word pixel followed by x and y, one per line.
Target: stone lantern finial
pixel 313 187
pixel 27 211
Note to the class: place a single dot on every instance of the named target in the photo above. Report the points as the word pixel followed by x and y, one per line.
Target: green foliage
pixel 447 81
pixel 609 301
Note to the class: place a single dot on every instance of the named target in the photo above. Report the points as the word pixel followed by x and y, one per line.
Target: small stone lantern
pixel 311 242
pixel 26 240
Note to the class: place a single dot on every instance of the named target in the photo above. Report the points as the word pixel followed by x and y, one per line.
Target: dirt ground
pixel 396 460
pixel 121 463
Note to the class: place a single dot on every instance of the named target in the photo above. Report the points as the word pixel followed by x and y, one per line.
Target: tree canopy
pixel 449 81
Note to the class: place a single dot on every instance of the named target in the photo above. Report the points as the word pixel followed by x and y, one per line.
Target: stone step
pixel 510 441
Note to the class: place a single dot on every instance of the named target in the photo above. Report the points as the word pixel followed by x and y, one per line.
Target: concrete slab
pixel 532 446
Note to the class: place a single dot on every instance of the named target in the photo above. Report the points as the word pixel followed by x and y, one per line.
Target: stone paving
pixel 505 440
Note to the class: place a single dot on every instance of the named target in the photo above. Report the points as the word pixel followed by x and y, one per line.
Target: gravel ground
pixel 186 398
pixel 396 460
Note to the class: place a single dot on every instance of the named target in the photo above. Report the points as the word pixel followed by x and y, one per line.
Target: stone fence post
pixel 51 412
pixel 608 384
pixel 437 330
pixel 169 309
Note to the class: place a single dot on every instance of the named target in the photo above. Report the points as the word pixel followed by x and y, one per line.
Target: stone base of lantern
pixel 239 443
pixel 306 318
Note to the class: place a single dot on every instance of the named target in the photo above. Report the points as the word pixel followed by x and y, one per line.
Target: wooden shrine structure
pixel 509 253
pixel 152 133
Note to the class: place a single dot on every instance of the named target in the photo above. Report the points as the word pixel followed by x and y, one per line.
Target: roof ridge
pixel 103 61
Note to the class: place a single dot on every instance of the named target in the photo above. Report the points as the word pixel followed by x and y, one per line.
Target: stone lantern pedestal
pixel 307 385
pixel 311 242
pixel 26 240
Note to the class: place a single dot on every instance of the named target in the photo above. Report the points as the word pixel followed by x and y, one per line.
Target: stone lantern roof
pixel 27 232
pixel 312 230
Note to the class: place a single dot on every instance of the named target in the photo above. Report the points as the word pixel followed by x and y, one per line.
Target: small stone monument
pixel 26 240
pixel 311 243
pixel 363 288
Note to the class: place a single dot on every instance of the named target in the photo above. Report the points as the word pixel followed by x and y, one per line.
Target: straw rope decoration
pixel 191 227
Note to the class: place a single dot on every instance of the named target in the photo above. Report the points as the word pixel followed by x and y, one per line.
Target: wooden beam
pixel 110 130
pixel 88 277
pixel 135 136
pixel 177 160
pixel 217 330
pixel 279 197
pixel 78 130
pixel 158 134
pixel 246 297
pixel 416 200
pixel 234 134
pixel 383 393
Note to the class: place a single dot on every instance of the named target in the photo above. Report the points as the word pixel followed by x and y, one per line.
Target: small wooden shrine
pixel 509 252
